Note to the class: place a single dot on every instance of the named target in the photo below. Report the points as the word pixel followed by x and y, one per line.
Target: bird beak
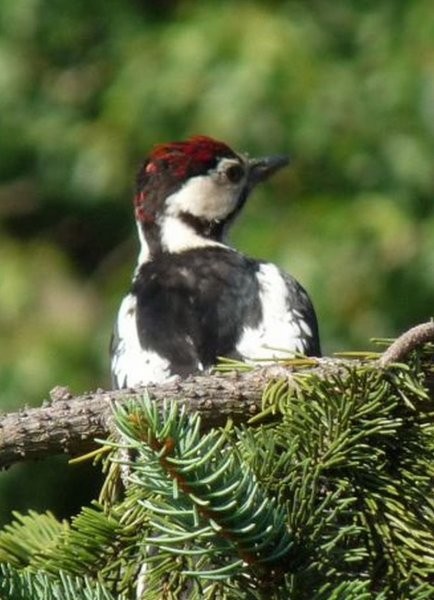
pixel 261 169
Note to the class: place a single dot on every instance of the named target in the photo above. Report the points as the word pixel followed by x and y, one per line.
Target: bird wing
pixel 287 323
pixel 300 304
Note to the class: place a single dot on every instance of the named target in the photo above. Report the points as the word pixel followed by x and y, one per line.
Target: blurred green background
pixel 86 88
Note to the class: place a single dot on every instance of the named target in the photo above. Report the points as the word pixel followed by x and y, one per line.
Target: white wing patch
pixel 131 365
pixel 281 330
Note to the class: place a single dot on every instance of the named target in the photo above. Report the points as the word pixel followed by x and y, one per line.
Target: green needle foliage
pixel 18 585
pixel 328 495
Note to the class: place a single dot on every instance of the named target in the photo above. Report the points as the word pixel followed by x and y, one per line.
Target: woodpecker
pixel 193 297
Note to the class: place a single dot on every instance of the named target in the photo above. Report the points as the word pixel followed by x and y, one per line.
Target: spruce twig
pixel 412 339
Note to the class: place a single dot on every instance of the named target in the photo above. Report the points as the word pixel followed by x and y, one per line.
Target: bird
pixel 193 297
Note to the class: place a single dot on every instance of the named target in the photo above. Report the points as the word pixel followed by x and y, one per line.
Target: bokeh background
pixel 86 88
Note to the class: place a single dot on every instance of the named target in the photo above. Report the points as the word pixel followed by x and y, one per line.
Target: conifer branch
pixel 68 424
pixel 334 489
pixel 407 342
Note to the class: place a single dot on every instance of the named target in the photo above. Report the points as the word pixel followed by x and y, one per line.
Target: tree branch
pixel 407 342
pixel 70 425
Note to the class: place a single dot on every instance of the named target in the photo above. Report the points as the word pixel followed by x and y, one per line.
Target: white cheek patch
pixel 205 197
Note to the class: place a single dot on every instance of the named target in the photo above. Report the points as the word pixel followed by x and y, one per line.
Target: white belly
pixel 133 366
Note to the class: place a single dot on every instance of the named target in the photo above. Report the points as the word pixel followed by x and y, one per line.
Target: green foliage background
pixel 87 87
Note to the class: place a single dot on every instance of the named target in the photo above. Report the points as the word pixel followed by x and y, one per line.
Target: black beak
pixel 261 169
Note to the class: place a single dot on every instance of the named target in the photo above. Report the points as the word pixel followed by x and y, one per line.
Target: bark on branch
pixel 408 341
pixel 70 425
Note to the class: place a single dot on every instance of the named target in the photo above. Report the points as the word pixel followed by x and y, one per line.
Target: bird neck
pixel 173 234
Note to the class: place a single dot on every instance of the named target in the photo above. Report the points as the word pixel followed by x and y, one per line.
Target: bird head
pixel 196 186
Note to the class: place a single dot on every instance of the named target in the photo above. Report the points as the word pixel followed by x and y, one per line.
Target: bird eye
pixel 235 173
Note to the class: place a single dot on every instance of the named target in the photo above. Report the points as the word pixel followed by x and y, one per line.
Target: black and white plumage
pixel 194 298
